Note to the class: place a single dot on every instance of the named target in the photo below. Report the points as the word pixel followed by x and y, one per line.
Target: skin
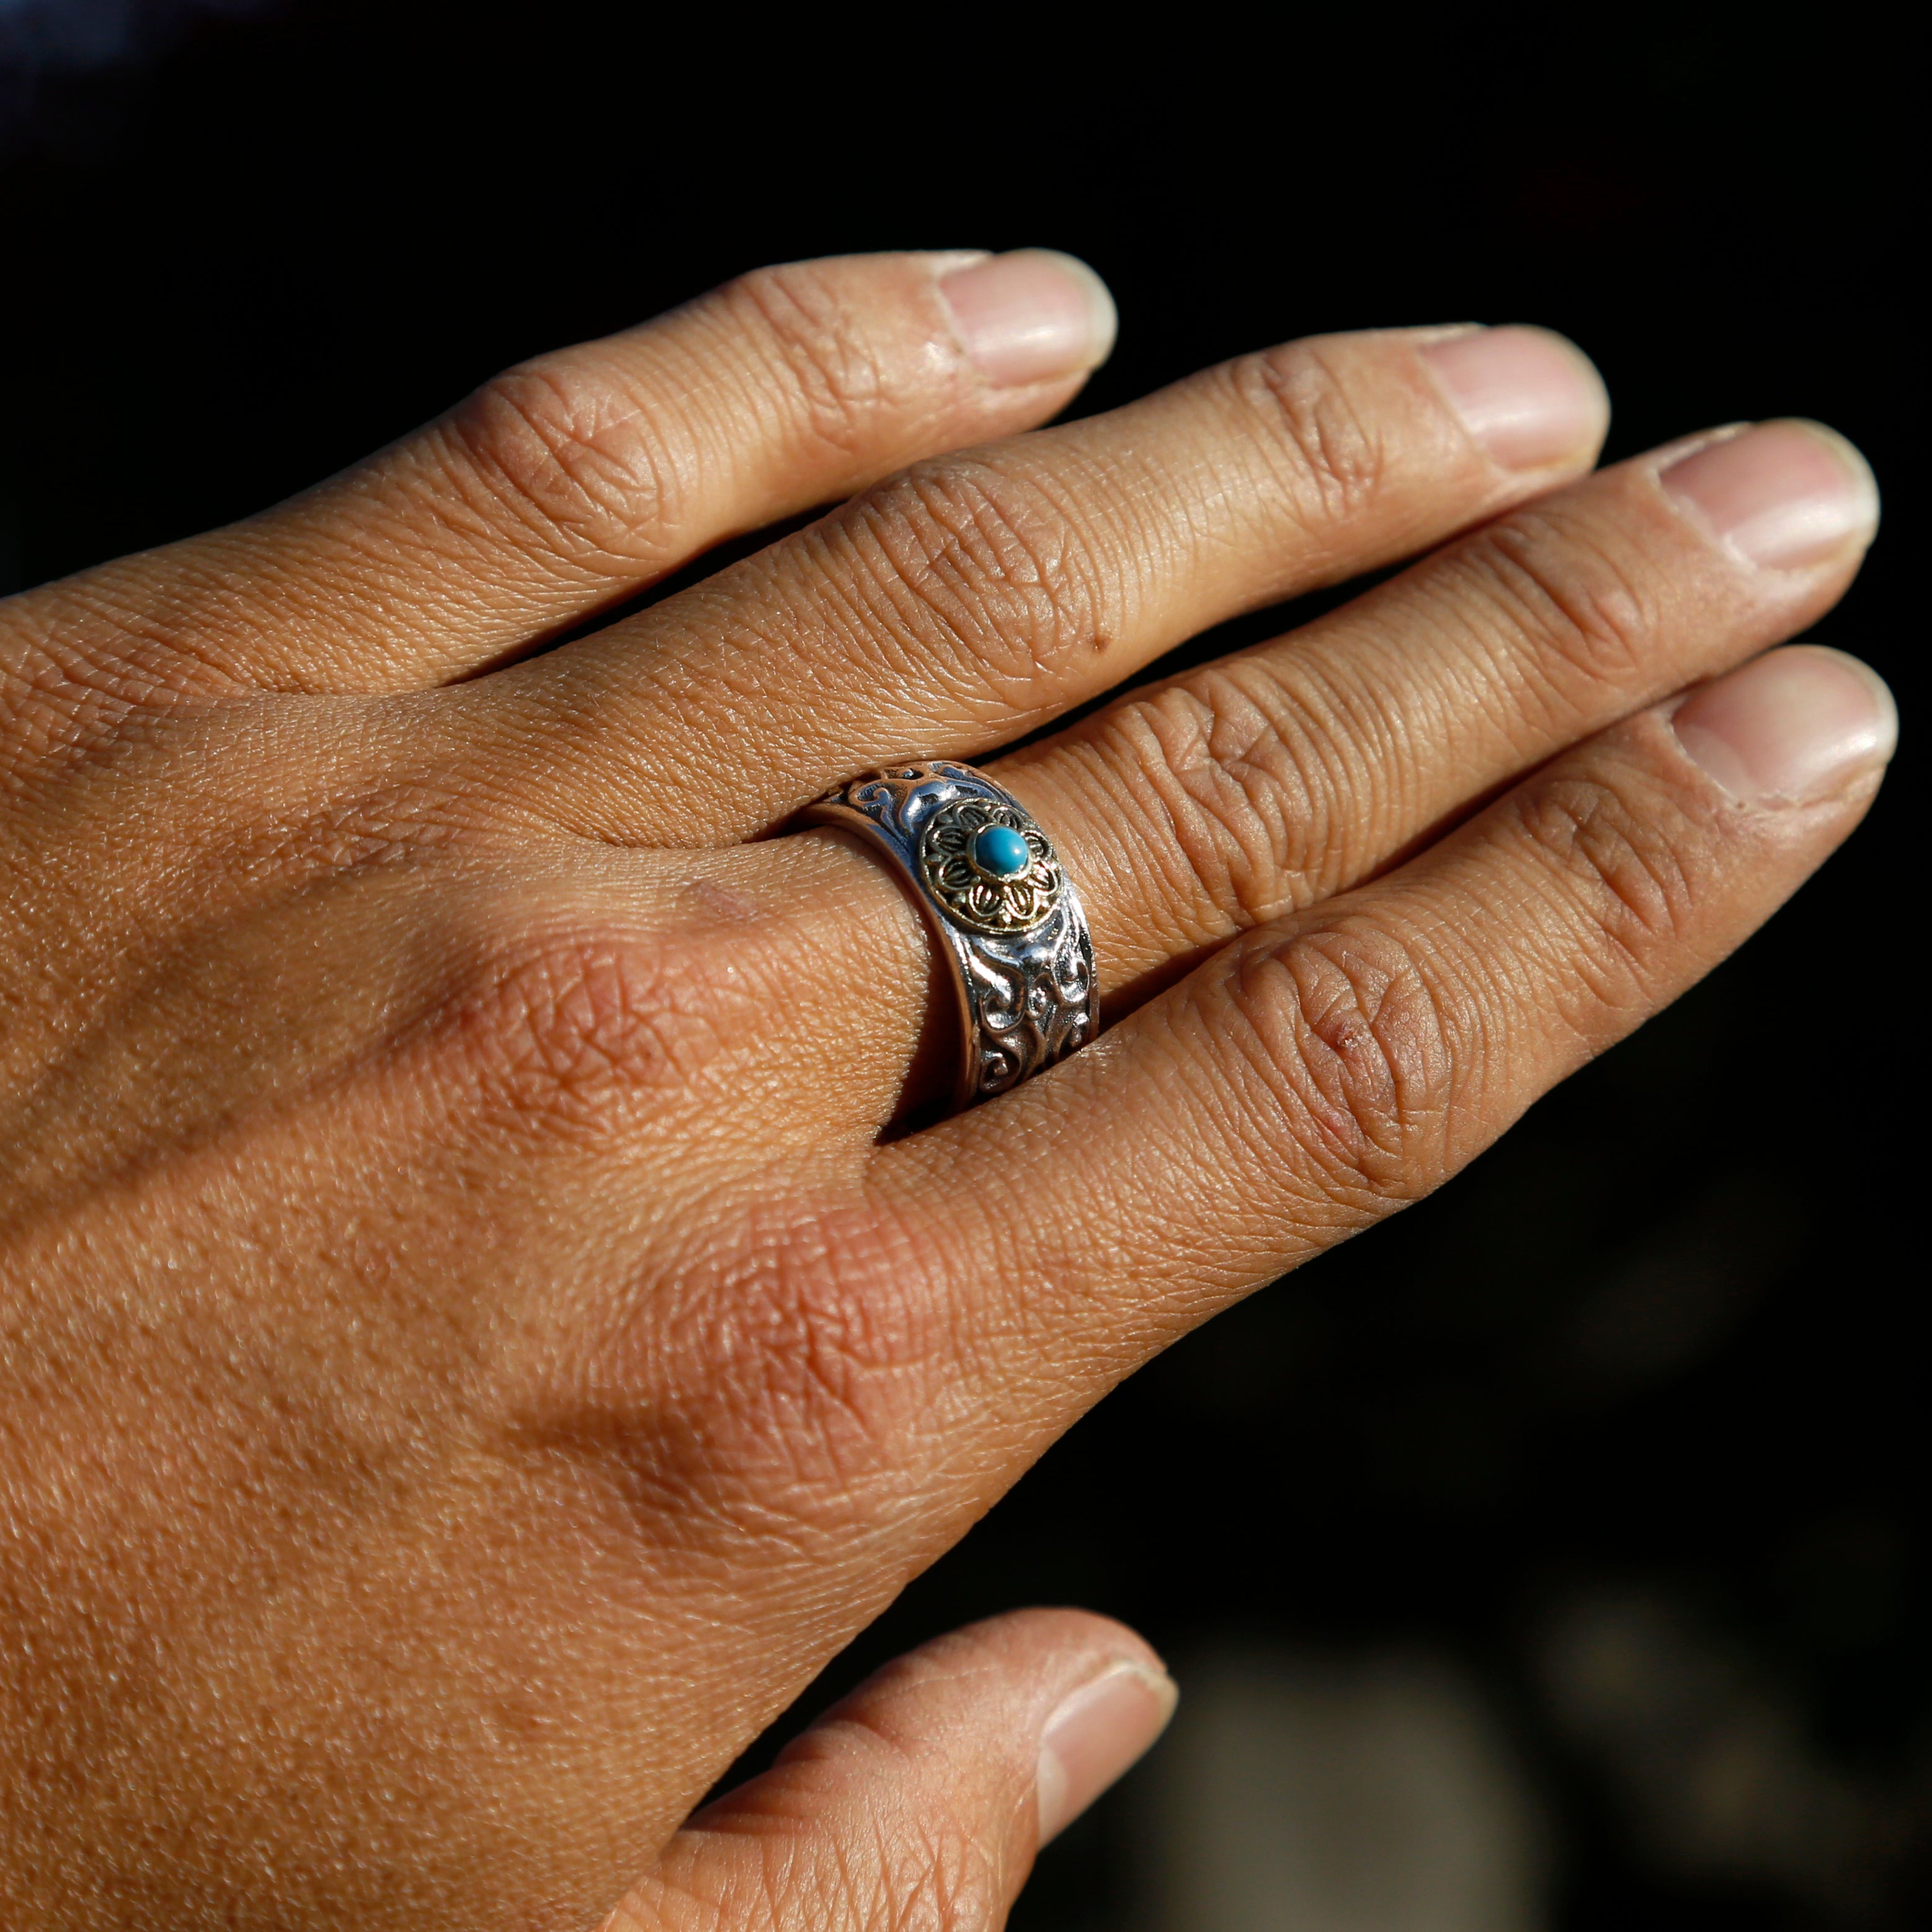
pixel 478 1334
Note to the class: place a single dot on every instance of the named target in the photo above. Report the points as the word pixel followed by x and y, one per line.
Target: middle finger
pixel 974 597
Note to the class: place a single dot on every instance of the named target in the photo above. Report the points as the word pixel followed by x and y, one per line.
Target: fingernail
pixel 1031 316
pixel 1783 494
pixel 1529 397
pixel 1793 726
pixel 1094 1736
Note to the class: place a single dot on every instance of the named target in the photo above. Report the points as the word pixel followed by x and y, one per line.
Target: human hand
pixel 470 1356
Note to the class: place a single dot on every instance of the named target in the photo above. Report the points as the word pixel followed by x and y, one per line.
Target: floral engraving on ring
pixel 983 895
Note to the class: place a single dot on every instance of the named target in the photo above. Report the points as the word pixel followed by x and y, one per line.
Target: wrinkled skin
pixel 471 1350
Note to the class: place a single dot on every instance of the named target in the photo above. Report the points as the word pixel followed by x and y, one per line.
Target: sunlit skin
pixel 489 1307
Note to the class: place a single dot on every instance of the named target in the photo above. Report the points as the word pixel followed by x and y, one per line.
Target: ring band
pixel 1008 920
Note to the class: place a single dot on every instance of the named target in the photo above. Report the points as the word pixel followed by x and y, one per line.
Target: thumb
pixel 919 1801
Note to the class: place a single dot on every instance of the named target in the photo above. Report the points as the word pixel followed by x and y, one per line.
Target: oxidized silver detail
pixel 1022 960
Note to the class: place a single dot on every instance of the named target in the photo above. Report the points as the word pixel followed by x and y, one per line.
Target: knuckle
pixel 799 1376
pixel 1329 453
pixel 573 452
pixel 791 1378
pixel 1550 579
pixel 824 1354
pixel 1236 783
pixel 977 568
pixel 1627 878
pixel 1355 1049
pixel 577 1034
pixel 834 378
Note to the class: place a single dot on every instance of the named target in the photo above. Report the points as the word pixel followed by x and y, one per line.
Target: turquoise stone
pixel 999 849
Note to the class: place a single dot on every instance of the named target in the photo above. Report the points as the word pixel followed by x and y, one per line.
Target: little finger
pixel 1318 1074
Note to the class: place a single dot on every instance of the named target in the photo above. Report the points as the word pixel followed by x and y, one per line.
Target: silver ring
pixel 1008 922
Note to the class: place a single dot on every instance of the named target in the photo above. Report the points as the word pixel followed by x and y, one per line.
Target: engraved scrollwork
pixel 1030 1006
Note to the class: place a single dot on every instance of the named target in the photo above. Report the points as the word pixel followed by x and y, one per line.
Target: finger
pixel 1318 1074
pixel 972 598
pixel 1256 787
pixel 879 1358
pixel 920 1799
pixel 1195 809
pixel 579 478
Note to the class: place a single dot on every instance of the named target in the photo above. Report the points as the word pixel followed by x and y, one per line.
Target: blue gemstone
pixel 999 849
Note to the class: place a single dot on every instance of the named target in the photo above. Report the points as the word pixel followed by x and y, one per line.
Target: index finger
pixel 580 476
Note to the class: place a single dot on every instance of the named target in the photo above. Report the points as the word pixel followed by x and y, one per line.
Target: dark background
pixel 1658 1350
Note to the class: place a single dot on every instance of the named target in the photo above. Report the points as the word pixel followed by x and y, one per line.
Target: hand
pixel 471 1355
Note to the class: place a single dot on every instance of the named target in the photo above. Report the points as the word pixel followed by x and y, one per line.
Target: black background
pixel 1662 1339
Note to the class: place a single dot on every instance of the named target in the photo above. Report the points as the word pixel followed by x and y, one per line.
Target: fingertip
pixel 1103 314
pixel 1032 316
pixel 1528 397
pixel 1095 1734
pixel 1782 495
pixel 1793 727
pixel 1065 1631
